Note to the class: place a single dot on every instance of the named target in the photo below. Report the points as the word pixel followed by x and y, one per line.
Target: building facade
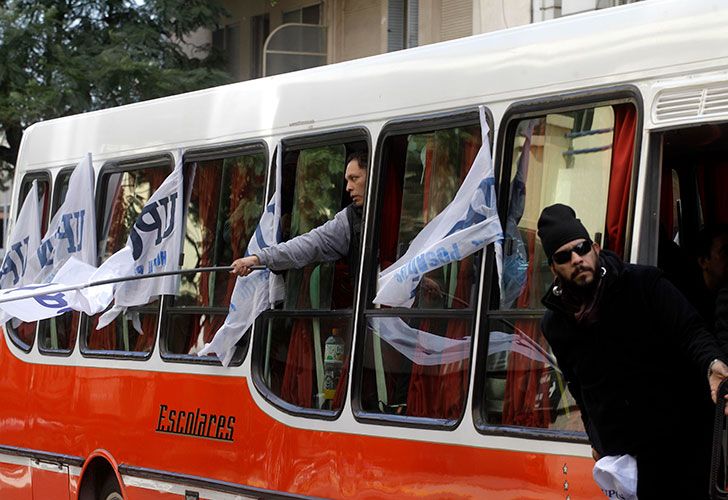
pixel 266 37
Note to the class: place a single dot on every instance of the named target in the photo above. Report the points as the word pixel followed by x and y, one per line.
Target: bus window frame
pixel 217 152
pixel 359 133
pixel 54 206
pixel 111 167
pixel 55 202
pixel 411 124
pixel 28 178
pixel 517 111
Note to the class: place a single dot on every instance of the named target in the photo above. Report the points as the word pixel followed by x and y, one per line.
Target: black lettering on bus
pixel 210 423
pixel 172 417
pixel 162 410
pixel 231 428
pixel 201 425
pixel 220 427
pixel 181 416
pixel 191 422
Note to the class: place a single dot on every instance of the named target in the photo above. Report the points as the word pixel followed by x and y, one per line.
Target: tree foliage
pixel 62 57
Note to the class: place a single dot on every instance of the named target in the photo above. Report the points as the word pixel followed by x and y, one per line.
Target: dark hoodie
pixel 637 368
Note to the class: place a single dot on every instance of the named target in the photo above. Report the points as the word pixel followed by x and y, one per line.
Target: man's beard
pixel 580 290
pixel 579 270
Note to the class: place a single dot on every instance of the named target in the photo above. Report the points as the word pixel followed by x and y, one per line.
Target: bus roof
pixel 652 39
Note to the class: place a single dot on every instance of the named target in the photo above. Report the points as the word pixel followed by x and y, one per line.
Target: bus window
pixel 582 159
pixel 124 191
pixel 23 334
pixel 59 334
pixel 427 377
pixel 315 317
pixel 226 200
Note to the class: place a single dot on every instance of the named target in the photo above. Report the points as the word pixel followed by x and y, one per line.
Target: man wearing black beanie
pixel 635 355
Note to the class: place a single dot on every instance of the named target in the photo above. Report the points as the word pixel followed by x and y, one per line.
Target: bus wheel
pixel 110 490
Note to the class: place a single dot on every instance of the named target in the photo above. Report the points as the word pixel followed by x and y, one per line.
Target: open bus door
pixel 694 173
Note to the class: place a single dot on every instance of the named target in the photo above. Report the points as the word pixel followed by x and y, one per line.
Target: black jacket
pixel 638 373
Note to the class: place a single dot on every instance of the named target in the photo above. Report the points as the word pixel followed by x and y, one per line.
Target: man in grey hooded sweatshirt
pixel 338 238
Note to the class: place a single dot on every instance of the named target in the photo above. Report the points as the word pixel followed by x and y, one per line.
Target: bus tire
pixel 110 489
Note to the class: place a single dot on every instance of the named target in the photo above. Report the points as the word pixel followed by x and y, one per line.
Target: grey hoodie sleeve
pixel 326 243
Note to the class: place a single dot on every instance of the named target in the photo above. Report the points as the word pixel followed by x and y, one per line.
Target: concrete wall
pixel 493 15
pixel 357 28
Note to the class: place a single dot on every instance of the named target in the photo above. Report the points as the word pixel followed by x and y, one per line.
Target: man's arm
pixel 326 243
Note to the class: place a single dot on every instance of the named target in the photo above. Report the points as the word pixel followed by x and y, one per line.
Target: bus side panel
pixel 50 484
pixel 211 427
pixel 15 476
pixel 15 482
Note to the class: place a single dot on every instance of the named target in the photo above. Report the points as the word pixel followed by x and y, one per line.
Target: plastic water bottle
pixel 333 363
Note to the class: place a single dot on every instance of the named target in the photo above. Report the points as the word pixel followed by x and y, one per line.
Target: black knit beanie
pixel 557 226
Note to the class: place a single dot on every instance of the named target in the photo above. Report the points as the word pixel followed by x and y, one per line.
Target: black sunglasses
pixel 564 256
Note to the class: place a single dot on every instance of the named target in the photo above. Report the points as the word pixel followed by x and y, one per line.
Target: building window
pixel 305 15
pixel 456 19
pixel 402 21
pixel 227 42
pixel 293 47
pixel 259 31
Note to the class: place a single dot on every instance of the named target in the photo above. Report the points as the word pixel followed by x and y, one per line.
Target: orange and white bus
pixel 622 113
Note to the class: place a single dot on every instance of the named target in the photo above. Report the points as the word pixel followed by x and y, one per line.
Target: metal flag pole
pixel 40 290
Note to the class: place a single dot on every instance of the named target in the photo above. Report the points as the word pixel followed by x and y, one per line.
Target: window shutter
pixel 457 19
pixel 395 25
pixel 413 20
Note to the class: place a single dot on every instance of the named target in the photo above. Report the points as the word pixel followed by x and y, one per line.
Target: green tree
pixel 62 57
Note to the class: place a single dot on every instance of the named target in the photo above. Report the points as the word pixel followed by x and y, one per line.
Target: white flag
pixel 522 344
pixel 467 224
pixel 35 302
pixel 255 292
pixel 153 246
pixel 24 241
pixel 72 231
pixel 421 347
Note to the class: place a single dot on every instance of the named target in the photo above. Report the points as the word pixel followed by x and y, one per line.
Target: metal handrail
pixel 40 291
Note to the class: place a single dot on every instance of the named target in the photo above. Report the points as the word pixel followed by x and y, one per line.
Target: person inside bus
pixel 635 354
pixel 711 300
pixel 338 238
pixel 711 251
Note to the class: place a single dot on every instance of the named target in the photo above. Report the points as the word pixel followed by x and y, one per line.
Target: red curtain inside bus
pixel 525 390
pixel 625 123
pixel 208 181
pixel 297 385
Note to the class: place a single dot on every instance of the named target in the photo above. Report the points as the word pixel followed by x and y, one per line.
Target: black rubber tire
pixel 110 489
